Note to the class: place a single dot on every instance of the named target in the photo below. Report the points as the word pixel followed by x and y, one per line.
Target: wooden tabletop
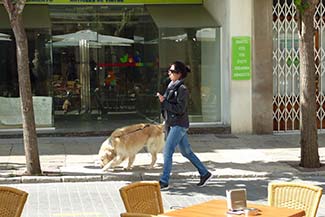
pixel 218 208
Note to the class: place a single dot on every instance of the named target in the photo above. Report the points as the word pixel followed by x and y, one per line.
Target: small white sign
pixel 10 110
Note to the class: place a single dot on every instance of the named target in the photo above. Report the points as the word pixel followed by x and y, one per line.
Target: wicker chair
pixel 295 196
pixel 130 214
pixel 142 197
pixel 12 201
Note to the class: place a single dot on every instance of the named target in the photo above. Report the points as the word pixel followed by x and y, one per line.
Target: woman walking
pixel 174 105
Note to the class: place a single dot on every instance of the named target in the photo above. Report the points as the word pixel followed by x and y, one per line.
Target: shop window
pixel 110 57
pixel 193 37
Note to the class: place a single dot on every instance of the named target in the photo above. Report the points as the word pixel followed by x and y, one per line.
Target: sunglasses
pixel 172 71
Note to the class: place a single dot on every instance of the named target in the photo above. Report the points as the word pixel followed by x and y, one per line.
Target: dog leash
pixel 145 126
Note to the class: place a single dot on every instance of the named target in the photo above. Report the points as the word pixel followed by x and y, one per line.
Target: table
pixel 218 208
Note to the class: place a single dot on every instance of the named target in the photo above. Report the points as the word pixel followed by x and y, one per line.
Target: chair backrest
pixel 12 201
pixel 142 197
pixel 131 214
pixel 295 196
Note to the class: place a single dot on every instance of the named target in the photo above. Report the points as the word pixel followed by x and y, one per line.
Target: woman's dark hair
pixel 181 68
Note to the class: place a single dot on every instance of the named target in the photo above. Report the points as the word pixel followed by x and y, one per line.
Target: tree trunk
pixel 29 130
pixel 308 137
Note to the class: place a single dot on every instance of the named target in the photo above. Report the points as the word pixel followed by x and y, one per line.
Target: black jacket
pixel 175 106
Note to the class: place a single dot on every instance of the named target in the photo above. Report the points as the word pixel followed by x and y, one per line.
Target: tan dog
pixel 127 141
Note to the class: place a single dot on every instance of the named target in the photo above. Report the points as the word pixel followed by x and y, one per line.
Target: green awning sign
pixel 112 2
pixel 241 58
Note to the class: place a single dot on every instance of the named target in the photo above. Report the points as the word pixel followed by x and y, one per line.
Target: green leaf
pixel 301 6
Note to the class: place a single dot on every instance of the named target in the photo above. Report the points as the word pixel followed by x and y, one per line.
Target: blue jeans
pixel 178 136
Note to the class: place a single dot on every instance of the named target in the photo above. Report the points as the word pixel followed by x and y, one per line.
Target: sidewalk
pixel 71 159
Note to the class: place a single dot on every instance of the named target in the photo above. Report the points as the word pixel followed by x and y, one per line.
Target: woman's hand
pixel 161 97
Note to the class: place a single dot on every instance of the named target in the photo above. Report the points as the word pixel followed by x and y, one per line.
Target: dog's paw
pixel 107 169
pixel 97 163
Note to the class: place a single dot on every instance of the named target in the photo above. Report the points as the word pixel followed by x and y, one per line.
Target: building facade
pixel 95 60
pixel 247 103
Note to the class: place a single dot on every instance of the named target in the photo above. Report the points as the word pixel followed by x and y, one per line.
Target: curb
pixel 141 176
pixel 215 129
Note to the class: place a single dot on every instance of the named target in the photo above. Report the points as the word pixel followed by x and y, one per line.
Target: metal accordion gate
pixel 286 108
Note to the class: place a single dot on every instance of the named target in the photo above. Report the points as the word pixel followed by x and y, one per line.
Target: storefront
pixel 91 61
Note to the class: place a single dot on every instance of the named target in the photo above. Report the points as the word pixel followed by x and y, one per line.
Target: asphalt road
pixel 89 199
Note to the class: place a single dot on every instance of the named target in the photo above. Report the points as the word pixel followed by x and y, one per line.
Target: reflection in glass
pixel 199 48
pixel 121 67
pixel 40 73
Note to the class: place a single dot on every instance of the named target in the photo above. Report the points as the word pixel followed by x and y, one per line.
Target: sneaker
pixel 204 179
pixel 163 186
